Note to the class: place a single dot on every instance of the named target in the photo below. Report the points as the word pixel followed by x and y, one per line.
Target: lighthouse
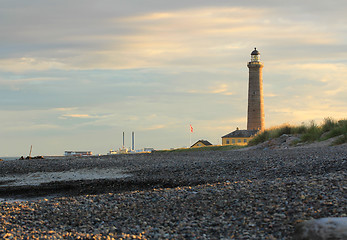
pixel 255 117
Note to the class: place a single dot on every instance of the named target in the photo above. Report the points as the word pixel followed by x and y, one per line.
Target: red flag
pixel 191 128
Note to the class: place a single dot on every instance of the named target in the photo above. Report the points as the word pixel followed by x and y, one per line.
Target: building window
pixel 239 140
pixel 244 140
pixel 233 140
pixel 228 141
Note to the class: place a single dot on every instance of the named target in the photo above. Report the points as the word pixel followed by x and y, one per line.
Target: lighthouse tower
pixel 255 120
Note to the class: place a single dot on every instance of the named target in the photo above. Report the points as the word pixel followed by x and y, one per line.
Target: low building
pixel 238 137
pixel 148 150
pixel 78 153
pixel 128 151
pixel 201 143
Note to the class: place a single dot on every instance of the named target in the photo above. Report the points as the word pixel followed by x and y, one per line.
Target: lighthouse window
pixel 255 58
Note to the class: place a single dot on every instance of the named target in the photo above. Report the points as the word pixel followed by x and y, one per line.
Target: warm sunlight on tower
pixel 255 120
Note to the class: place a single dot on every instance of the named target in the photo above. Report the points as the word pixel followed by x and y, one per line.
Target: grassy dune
pixel 307 132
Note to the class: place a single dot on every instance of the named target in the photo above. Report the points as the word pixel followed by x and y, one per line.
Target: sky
pixel 75 74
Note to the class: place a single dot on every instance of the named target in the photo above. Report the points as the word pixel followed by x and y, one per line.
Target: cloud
pixel 29 120
pixel 204 37
pixel 269 95
pixel 222 89
pixel 78 116
pixel 189 38
pixel 64 109
pixel 153 127
pixel 27 127
pixel 18 82
pixel 212 88
pixel 24 64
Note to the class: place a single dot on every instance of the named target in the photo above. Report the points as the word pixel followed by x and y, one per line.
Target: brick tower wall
pixel 256 116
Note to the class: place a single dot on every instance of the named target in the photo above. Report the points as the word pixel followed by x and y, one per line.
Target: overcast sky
pixel 75 74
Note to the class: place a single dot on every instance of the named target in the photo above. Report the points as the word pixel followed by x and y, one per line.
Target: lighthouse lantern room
pixel 255 55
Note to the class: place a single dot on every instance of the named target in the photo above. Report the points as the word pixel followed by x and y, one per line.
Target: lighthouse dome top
pixel 255 52
pixel 255 56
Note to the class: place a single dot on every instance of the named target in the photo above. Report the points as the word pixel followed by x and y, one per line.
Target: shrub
pixel 284 130
pixel 312 133
pixel 259 138
pixel 272 133
pixel 300 129
pixel 329 124
pixel 340 128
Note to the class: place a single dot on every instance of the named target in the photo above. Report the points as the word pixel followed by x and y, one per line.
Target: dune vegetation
pixel 307 132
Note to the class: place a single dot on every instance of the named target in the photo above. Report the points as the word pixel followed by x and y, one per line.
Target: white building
pixel 78 153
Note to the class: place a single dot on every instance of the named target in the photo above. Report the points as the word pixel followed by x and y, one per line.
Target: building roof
pixel 205 142
pixel 241 133
pixel 255 52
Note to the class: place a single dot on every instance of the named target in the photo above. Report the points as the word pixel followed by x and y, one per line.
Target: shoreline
pixel 74 176
pixel 205 195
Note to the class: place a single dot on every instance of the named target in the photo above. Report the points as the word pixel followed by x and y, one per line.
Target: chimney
pixel 123 140
pixel 133 141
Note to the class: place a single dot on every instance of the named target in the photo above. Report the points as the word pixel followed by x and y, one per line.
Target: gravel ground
pixel 255 194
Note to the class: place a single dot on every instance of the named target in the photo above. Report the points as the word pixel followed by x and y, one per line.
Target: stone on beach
pixel 322 229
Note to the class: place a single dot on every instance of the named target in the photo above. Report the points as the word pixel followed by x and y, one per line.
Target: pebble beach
pixel 240 194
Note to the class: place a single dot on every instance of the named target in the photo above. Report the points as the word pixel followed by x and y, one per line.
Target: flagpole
pixel 190 135
pixel 190 139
